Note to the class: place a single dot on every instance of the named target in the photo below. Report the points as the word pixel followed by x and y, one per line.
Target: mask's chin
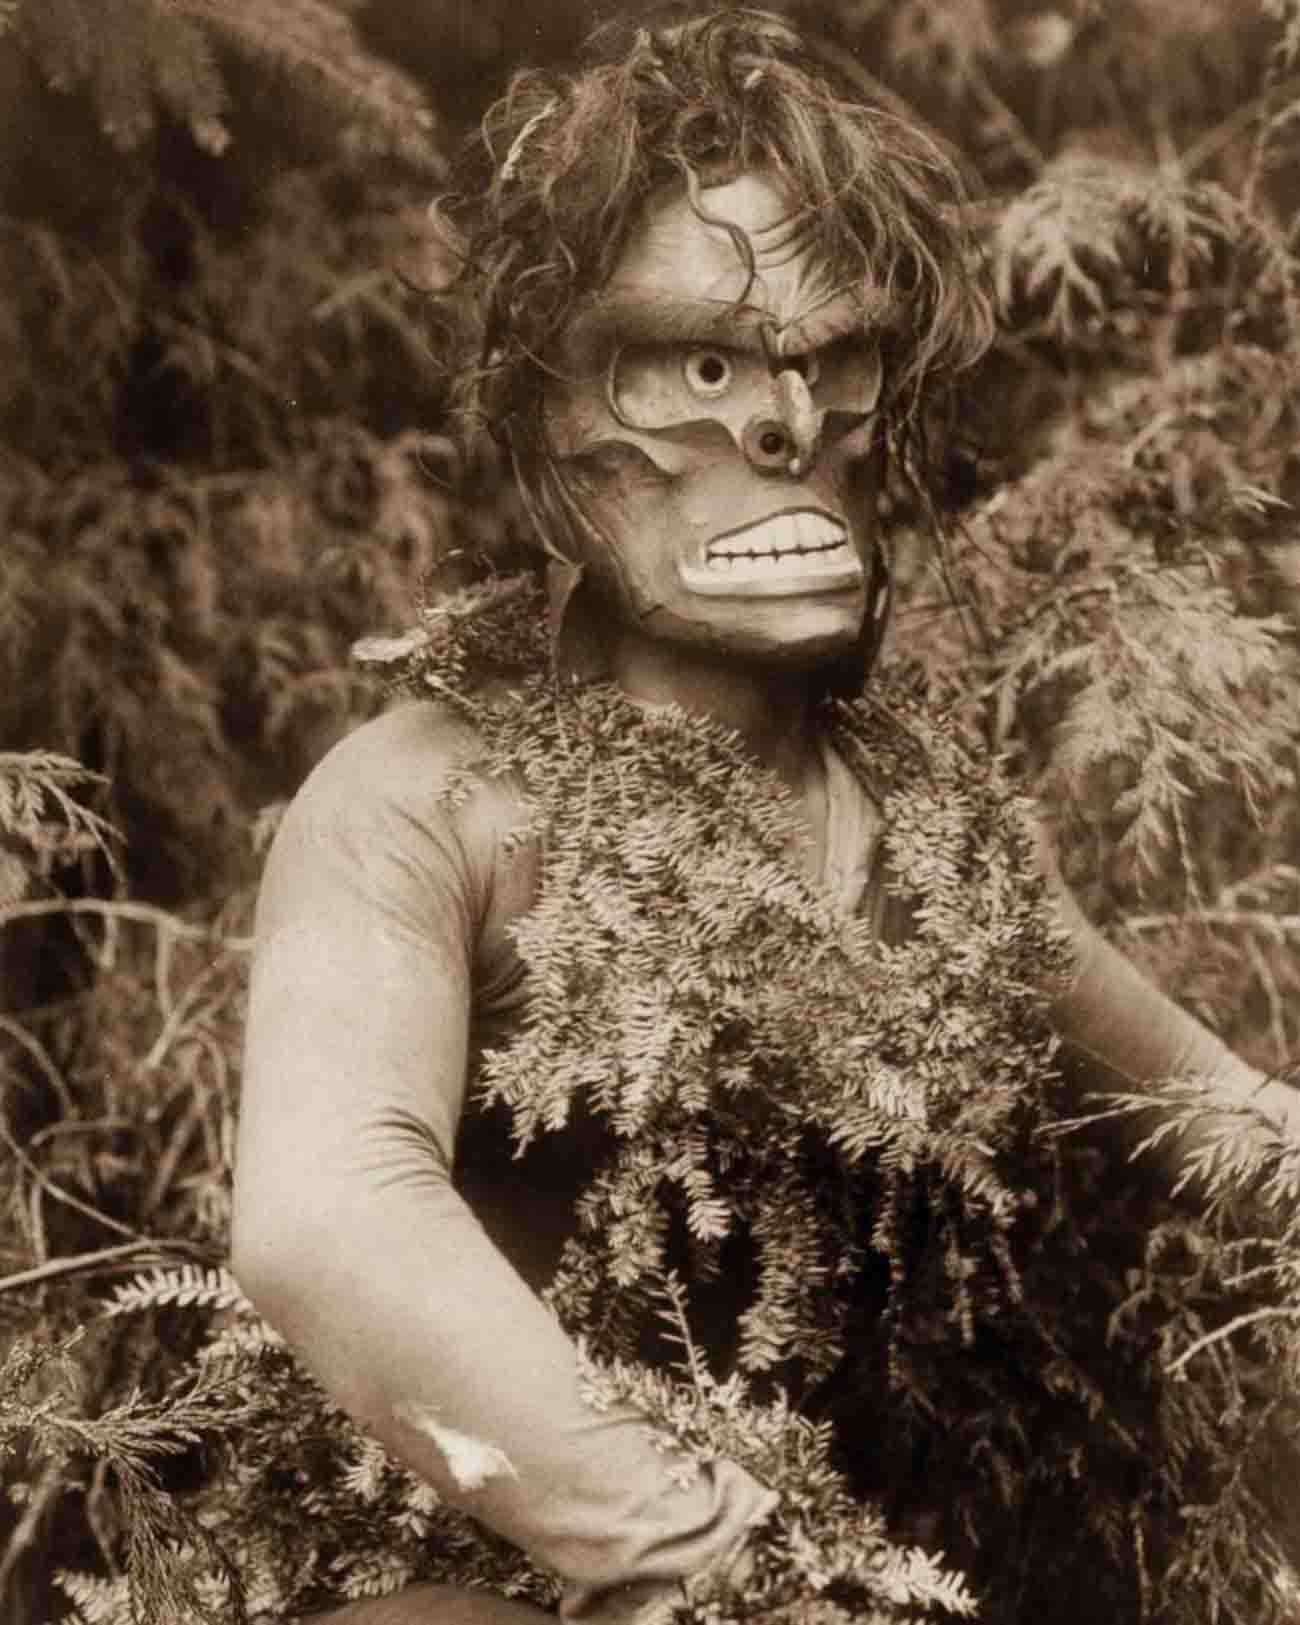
pixel 776 628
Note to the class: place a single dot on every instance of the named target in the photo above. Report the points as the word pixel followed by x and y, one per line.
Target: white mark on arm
pixel 471 1462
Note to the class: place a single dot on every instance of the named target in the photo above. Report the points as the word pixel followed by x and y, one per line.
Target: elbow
pixel 264 1273
pixel 304 1226
pixel 272 1256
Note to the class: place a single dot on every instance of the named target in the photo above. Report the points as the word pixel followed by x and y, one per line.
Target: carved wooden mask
pixel 714 425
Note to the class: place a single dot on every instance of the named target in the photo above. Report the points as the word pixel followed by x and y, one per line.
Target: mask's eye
pixel 656 386
pixel 708 373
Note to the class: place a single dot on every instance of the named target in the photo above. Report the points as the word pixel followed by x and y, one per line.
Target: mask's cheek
pixel 854 474
pixel 579 423
pixel 635 531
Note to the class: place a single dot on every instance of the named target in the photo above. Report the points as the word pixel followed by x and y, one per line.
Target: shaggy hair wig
pixel 566 164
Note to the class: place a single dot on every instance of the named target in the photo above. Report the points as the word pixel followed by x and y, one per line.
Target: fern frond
pixel 60 35
pixel 187 1286
pixel 1191 658
pixel 1098 246
pixel 819 1556
pixel 1057 243
pixel 365 1477
pixel 129 55
pixel 188 81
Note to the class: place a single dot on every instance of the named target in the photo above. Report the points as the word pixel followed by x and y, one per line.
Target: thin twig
pixel 1276 926
pixel 60 1195
pixel 1000 113
pixel 168 1163
pixel 73 1263
pixel 1289 1312
pixel 98 1498
pixel 40 1499
pixel 347 290
pixel 36 1224
pixel 1273 994
pixel 38 1052
pixel 88 1125
pixel 139 913
pixel 179 1014
pixel 1237 123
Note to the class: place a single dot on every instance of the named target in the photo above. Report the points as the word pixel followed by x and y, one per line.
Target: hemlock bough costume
pixel 705 1032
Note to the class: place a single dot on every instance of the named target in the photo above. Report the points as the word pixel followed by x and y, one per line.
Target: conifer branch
pixel 135 56
pixel 315 44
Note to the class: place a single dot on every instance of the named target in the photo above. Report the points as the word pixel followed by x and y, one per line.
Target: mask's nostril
pixel 768 444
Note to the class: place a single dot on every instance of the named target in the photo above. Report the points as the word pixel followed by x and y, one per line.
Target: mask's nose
pixel 784 440
pixel 769 445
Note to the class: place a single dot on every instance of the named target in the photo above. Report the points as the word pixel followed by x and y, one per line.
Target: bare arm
pixel 348 1231
pixel 1123 1034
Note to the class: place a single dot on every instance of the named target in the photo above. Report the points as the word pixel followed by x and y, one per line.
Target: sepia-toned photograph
pixel 649 812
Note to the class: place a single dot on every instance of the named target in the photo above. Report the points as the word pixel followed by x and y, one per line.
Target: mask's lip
pixel 775 513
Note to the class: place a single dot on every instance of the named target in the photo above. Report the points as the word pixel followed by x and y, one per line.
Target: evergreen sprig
pixel 712 1004
pixel 821 1555
pixel 1100 246
pixel 43 821
pixel 135 58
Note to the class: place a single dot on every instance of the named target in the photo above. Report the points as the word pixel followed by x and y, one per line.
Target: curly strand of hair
pixel 514 156
pixel 739 238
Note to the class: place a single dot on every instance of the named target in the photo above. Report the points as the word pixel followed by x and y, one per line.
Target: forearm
pixel 1123 1036
pixel 396 1299
pixel 352 1240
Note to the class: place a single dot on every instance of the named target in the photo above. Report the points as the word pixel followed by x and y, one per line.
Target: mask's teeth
pixel 782 536
pixel 788 555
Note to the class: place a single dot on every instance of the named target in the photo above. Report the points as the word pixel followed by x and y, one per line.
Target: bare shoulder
pixel 415 760
pixel 411 747
pixel 393 819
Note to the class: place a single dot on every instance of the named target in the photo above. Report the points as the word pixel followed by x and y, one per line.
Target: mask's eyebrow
pixel 620 316
pixel 628 316
pixel 842 313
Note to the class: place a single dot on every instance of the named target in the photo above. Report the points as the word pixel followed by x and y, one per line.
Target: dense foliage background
pixel 223 458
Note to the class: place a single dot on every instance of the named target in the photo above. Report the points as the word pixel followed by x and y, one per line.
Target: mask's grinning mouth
pixel 798 531
pixel 797 551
